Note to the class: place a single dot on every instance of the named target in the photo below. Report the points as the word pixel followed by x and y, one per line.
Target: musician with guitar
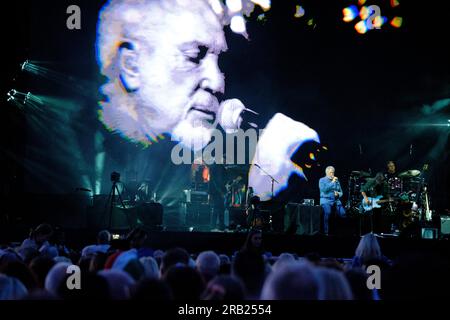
pixel 375 192
pixel 330 194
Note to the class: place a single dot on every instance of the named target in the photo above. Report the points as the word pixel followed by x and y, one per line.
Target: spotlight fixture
pixel 24 65
pixel 27 97
pixel 11 95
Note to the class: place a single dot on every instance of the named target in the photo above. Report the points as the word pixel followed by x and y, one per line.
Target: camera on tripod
pixel 115 177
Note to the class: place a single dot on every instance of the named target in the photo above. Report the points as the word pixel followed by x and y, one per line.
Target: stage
pixel 230 242
pixel 295 229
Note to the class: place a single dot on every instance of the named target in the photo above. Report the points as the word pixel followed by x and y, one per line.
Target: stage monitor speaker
pixel 100 213
pixel 198 214
pixel 429 233
pixel 445 225
pixel 150 214
pixel 303 219
pixel 237 217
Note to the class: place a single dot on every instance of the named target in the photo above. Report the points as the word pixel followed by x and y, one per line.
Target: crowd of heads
pixel 38 268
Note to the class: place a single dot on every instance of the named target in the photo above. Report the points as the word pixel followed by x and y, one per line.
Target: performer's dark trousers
pixel 218 216
pixel 328 208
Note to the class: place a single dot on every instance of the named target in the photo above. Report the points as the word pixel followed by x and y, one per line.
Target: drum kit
pixel 356 180
pixel 409 200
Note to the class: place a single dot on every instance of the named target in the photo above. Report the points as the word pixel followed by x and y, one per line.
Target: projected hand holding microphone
pixel 271 165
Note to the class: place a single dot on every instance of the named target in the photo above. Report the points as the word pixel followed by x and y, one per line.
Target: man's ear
pixel 128 65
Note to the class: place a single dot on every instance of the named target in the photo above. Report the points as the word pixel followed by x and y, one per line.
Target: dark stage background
pixel 368 96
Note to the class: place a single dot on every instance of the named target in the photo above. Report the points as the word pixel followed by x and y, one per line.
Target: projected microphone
pixel 233 115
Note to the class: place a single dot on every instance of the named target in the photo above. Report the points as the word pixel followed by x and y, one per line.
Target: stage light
pixel 24 65
pixel 264 4
pixel 238 24
pixel 361 27
pixel 42 69
pixel 379 21
pixel 299 12
pixel 364 13
pixel 262 17
pixel 234 5
pixel 394 3
pixel 216 5
pixel 350 13
pixel 396 22
pixel 16 98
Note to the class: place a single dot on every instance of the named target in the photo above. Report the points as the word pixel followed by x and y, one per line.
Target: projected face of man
pixel 178 76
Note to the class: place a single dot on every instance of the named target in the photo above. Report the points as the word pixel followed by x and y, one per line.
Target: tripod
pixel 111 201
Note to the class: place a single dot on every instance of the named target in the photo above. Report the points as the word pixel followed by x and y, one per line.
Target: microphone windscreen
pixel 230 115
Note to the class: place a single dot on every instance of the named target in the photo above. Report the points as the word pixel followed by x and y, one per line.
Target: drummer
pixel 393 180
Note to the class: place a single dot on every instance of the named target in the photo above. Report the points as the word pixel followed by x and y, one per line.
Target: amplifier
pixel 429 233
pixel 197 214
pixel 445 225
pixel 302 219
pixel 192 196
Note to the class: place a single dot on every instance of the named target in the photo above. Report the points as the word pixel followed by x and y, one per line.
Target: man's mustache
pixel 218 95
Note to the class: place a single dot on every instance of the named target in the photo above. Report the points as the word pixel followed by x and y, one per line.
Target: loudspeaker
pixel 445 225
pixel 429 233
pixel 237 217
pixel 174 217
pixel 150 213
pixel 303 219
pixel 100 213
pixel 291 218
pixel 198 214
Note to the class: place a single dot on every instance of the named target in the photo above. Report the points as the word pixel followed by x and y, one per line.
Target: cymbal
pixel 409 174
pixel 365 174
pixel 360 173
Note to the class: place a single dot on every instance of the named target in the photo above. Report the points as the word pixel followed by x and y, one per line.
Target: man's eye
pixel 197 55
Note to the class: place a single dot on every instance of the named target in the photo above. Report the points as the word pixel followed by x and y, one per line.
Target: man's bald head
pixel 122 22
pixel 161 61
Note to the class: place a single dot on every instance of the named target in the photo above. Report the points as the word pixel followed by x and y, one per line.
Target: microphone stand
pixel 273 180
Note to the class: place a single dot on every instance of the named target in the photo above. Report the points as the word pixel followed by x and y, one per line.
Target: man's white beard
pixel 192 137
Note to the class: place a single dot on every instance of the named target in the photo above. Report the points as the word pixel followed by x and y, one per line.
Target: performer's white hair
pixel 122 20
pixel 329 168
pixel 137 25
